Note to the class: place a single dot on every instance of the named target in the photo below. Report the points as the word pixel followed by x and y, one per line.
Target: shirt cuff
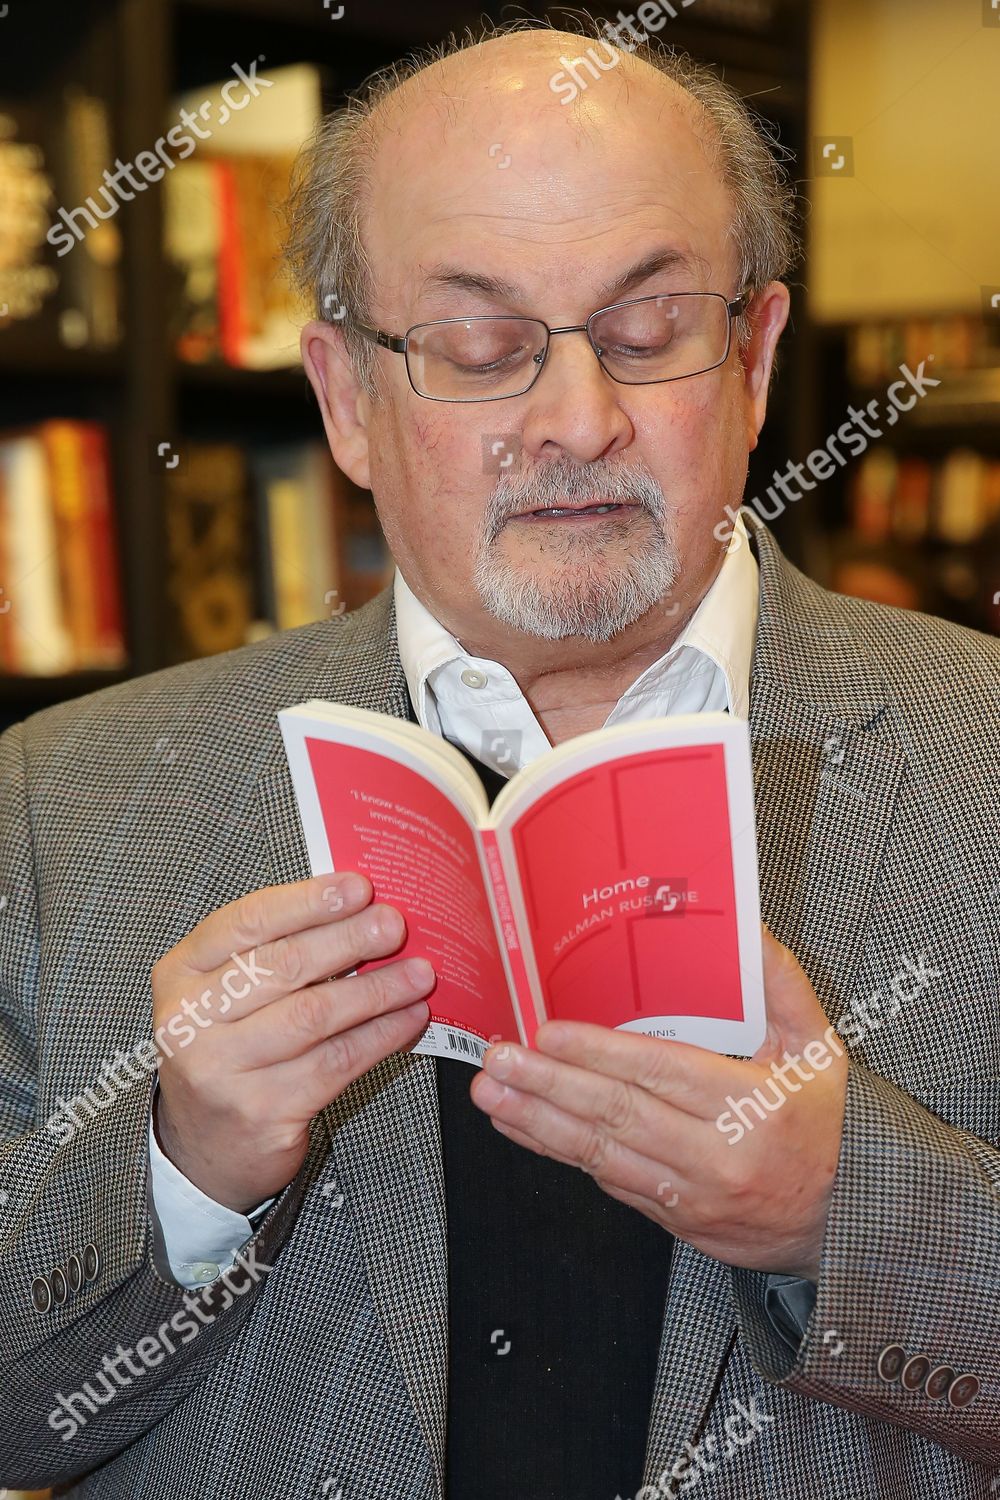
pixel 200 1236
pixel 788 1302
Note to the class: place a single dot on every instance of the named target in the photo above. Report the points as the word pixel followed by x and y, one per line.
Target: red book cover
pixel 232 296
pixel 110 644
pixel 613 881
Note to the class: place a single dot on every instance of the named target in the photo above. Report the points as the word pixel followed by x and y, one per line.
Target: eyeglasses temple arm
pixel 378 336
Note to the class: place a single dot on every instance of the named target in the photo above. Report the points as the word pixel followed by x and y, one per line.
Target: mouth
pixel 572 512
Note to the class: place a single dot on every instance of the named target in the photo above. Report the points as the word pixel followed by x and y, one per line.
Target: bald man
pixel 254 1244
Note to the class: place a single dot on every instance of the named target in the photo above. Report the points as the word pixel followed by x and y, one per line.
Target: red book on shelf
pixel 111 650
pixel 613 880
pixel 232 296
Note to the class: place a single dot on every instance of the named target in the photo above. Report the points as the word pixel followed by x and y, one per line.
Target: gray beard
pixel 589 598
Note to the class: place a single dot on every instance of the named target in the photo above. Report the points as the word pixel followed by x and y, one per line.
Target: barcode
pixel 459 1042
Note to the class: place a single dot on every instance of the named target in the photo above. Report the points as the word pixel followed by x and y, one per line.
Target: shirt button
pixel 204 1270
pixel 473 678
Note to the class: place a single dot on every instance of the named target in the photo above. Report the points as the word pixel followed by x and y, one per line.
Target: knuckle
pixel 249 915
pixel 594 1156
pixel 284 959
pixel 619 1110
pixel 198 1077
pixel 387 1030
pixel 309 1012
pixel 385 985
pixel 340 1055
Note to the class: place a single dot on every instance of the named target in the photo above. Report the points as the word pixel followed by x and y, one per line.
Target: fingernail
pixel 419 971
pixel 352 888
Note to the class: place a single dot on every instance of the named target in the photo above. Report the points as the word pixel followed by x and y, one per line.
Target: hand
pixel 273 1039
pixel 651 1120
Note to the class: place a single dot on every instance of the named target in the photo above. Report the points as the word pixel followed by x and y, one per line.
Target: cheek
pixel 697 446
pixel 429 499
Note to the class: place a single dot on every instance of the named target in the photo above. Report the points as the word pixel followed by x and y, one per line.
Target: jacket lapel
pixel 383 1133
pixel 825 788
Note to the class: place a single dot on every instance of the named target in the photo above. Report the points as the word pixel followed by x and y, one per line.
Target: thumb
pixel 794 1014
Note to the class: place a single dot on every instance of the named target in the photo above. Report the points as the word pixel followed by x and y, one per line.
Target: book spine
pixel 232 296
pixel 523 1003
pixel 69 502
pixel 104 559
pixel 7 661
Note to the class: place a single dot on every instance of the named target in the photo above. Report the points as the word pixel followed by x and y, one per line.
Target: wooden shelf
pixel 286 384
pixel 387 21
pixel 23 354
pixel 39 692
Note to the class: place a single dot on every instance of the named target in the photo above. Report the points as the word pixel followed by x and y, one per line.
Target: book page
pixel 389 816
pixel 636 883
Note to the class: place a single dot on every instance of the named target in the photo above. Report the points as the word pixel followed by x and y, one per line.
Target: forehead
pixel 481 171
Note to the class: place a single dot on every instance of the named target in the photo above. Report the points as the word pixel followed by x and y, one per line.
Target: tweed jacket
pixel 129 815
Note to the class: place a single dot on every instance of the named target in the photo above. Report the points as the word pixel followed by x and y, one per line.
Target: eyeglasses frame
pixel 398 343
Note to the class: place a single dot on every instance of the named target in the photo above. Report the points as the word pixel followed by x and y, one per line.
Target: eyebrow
pixel 445 277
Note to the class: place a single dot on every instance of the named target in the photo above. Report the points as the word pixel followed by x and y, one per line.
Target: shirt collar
pixel 721 631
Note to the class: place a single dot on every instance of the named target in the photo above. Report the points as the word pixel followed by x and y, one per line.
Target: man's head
pixel 542 174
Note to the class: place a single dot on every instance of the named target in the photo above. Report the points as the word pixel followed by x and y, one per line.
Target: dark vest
pixel 556 1295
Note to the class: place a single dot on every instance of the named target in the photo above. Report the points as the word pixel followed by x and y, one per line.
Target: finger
pixel 322 1074
pixel 691 1078
pixel 302 959
pixel 630 1113
pixel 294 1024
pixel 266 915
pixel 625 1119
pixel 634 1178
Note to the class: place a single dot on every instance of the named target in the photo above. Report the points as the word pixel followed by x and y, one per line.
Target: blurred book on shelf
pixel 924 534
pixel 952 499
pixel 262 539
pixel 60 247
pixel 875 350
pixel 209 583
pixel 297 529
pixel 60 591
pixel 231 298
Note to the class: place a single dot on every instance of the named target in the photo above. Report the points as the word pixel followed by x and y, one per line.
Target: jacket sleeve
pixel 197 1233
pixel 906 1325
pixel 96 1345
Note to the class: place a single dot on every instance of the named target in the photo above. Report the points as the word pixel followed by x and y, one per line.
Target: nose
pixel 574 407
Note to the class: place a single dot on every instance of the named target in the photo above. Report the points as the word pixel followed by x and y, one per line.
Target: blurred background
pixel 165 490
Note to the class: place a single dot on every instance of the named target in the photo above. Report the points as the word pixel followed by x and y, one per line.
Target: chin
pixel 554 604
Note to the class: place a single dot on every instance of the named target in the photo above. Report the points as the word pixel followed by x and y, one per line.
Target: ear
pixel 343 403
pixel 768 314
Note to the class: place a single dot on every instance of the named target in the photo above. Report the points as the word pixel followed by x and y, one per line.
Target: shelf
pixel 965 401
pixel 39 692
pixel 23 355
pixel 284 384
pixel 396 21
pixel 969 399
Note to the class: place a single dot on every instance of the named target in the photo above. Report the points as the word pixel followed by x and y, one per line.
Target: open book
pixel 614 879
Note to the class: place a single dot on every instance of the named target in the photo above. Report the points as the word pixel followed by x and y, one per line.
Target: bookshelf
pixel 139 55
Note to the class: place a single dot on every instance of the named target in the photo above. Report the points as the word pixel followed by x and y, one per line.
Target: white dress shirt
pixel 472 701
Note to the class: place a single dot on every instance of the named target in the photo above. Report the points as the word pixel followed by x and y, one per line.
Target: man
pixel 332 1274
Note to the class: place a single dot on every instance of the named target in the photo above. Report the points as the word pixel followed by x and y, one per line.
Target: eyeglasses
pixel 642 342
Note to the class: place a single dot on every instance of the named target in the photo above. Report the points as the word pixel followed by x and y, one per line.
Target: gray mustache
pixel 554 485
